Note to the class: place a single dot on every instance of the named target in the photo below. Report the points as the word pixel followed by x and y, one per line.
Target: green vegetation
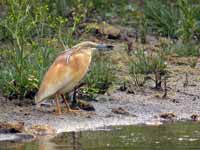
pixel 175 19
pixel 32 33
pixel 100 77
pixel 189 23
pixel 163 17
pixel 27 53
pixel 144 64
pixel 185 49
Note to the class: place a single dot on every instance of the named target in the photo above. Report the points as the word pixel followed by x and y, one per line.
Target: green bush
pixel 86 9
pixel 189 25
pixel 178 19
pixel 145 64
pixel 163 16
pixel 20 76
pixel 99 78
pixel 27 27
pixel 185 49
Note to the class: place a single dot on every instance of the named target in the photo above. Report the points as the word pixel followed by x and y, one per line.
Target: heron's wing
pixel 63 74
pixel 56 78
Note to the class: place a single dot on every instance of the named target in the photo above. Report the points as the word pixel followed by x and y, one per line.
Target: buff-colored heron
pixel 66 72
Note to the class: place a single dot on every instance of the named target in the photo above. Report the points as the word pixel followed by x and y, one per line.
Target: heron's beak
pixel 104 47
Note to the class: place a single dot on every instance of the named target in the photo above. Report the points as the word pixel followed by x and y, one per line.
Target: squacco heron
pixel 66 72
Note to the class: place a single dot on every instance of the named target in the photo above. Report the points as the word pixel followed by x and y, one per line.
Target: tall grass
pixel 179 19
pixel 189 23
pixel 163 16
pixel 145 64
pixel 27 28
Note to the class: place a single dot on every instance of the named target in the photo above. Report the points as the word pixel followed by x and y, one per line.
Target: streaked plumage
pixel 66 72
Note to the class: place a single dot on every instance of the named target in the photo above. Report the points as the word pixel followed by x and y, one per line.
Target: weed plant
pixel 176 19
pixel 163 17
pixel 189 23
pixel 27 55
pixel 99 78
pixel 146 64
pixel 185 49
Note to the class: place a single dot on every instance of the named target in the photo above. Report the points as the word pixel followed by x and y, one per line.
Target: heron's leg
pixel 67 104
pixel 58 108
pixel 65 101
pixel 74 100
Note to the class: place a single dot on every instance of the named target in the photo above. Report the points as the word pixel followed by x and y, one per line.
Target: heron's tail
pixel 38 97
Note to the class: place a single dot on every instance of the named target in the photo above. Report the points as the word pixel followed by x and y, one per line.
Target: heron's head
pixel 93 46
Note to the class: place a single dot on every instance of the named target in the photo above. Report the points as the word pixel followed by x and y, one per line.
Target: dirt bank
pixel 120 108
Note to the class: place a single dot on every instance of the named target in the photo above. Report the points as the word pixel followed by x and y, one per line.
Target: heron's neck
pixel 88 52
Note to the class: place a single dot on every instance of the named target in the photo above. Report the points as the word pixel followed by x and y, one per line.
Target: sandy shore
pixel 119 108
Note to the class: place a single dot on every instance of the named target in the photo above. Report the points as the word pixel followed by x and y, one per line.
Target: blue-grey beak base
pixel 104 46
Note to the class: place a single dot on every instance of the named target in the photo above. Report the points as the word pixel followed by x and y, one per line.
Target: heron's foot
pixel 57 113
pixel 73 110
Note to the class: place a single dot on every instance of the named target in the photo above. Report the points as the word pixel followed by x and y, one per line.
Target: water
pixel 177 136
